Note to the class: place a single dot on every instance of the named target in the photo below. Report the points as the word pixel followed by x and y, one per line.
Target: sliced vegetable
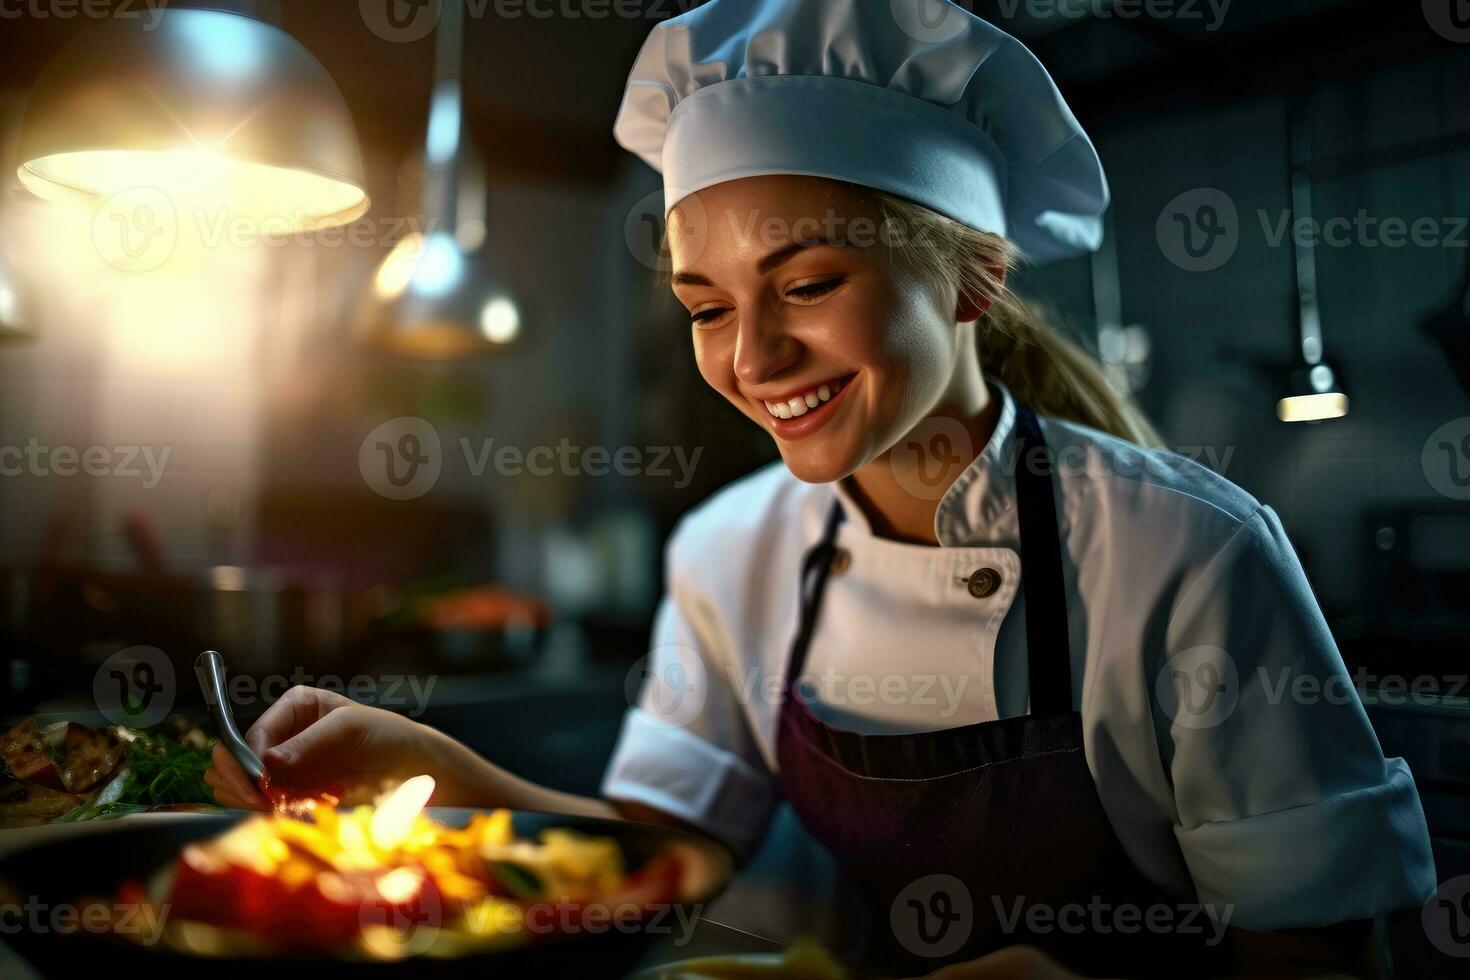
pixel 518 880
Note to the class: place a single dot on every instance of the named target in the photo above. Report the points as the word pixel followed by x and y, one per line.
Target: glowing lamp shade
pixel 213 109
pixel 1314 396
pixel 431 301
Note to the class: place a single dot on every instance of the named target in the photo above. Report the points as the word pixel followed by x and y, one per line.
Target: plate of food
pixel 392 888
pixel 803 960
pixel 67 771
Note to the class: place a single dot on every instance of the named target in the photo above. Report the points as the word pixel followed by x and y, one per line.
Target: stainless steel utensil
pixel 210 668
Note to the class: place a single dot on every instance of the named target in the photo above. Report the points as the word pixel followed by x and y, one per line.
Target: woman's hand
pixel 312 739
pixel 1011 963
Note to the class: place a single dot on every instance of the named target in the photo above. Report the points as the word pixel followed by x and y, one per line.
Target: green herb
pixel 99 811
pixel 517 880
pixel 164 771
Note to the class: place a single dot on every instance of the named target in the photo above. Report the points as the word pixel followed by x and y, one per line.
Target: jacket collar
pixel 979 509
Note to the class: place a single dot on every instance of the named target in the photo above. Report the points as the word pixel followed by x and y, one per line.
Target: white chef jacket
pixel 1273 801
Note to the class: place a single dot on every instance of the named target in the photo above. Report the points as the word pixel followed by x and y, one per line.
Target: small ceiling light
pixel 1313 396
pixel 1314 392
pixel 431 299
pixel 500 321
pixel 214 109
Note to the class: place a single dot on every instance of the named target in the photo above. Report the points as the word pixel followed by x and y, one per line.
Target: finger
pixel 225 767
pixel 319 753
pixel 231 776
pixel 294 711
pixel 228 770
pixel 224 796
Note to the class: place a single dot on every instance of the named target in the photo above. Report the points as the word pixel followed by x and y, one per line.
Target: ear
pixel 971 308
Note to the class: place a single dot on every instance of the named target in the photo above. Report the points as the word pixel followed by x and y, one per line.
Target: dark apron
pixel 1001 817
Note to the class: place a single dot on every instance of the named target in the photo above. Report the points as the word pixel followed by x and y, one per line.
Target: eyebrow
pixel 769 262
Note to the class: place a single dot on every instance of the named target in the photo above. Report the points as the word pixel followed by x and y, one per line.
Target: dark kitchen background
pixel 528 597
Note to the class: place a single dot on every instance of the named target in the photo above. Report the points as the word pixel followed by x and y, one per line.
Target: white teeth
pixel 803 403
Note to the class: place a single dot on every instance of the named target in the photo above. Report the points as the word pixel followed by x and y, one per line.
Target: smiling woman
pixel 963 506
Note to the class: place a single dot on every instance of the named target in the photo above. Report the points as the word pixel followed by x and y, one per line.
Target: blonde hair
pixel 1043 369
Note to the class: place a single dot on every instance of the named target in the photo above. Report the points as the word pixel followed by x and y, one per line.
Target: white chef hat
pixel 916 97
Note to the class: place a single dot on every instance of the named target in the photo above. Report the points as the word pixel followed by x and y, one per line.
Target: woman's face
pixel 804 322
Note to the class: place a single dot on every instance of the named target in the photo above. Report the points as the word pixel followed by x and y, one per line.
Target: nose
pixel 763 347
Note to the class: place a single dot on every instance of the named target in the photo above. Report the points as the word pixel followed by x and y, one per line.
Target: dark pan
pixel 97 864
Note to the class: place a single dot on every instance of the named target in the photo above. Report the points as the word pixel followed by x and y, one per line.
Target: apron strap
pixel 1048 647
pixel 814 572
pixel 1048 651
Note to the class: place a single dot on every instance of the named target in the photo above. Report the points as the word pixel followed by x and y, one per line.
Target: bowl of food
pixel 387 889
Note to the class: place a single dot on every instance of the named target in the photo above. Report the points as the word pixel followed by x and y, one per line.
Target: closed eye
pixel 709 315
pixel 814 290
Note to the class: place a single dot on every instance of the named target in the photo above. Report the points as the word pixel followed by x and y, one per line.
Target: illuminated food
pixel 804 960
pixel 387 882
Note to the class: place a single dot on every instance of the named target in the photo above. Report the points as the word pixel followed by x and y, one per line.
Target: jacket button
pixel 841 561
pixel 983 583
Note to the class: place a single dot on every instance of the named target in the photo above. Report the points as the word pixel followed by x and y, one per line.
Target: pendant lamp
pixel 215 109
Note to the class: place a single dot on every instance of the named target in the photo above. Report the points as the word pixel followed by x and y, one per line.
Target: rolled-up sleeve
pixel 686 747
pixel 1287 810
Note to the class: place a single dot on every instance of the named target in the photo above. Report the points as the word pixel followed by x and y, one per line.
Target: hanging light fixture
pixel 1314 389
pixel 212 108
pixel 1125 351
pixel 430 299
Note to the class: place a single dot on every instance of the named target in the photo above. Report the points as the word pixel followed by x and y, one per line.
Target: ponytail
pixel 1041 368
